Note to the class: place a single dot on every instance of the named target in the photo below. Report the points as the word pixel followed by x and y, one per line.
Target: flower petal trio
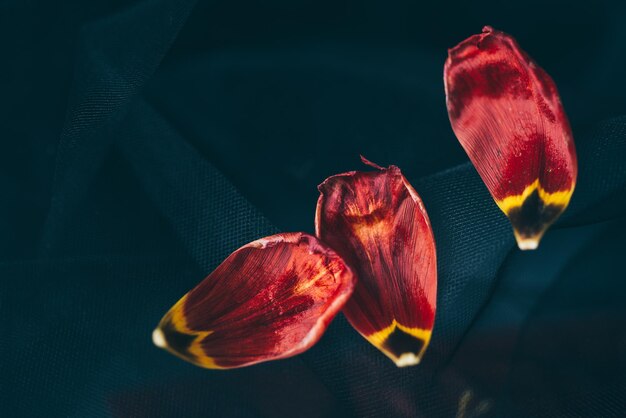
pixel 373 256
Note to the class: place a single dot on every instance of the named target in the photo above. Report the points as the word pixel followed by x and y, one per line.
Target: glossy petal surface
pixel 378 224
pixel 506 112
pixel 270 299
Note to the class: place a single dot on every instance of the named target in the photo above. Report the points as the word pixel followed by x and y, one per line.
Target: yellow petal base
pixel 531 222
pixel 174 323
pixel 381 338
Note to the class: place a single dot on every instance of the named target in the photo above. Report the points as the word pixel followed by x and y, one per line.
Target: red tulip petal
pixel 506 112
pixel 270 299
pixel 378 224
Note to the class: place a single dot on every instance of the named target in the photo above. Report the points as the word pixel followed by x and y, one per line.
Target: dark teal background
pixel 142 142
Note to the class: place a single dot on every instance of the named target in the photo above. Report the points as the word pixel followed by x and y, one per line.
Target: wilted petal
pixel 506 112
pixel 378 224
pixel 270 299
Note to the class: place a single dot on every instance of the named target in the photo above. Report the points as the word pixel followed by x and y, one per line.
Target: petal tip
pixel 407 359
pixel 158 338
pixel 529 242
pixel 525 244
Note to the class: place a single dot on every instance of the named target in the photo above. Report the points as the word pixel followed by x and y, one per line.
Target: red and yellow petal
pixel 378 224
pixel 270 299
pixel 506 112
